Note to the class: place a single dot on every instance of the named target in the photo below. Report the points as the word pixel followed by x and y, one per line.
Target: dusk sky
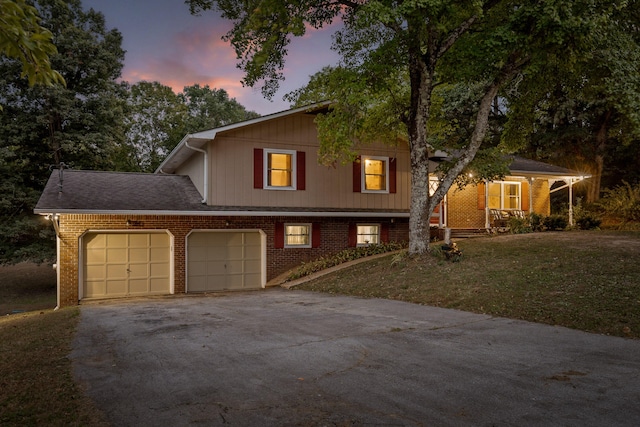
pixel 165 43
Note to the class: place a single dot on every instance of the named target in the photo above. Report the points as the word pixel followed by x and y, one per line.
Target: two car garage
pixel 119 264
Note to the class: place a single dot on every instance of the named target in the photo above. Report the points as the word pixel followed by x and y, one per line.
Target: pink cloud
pixel 198 55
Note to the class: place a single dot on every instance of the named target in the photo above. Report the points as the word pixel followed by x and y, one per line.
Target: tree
pixel 22 38
pixel 211 108
pixel 394 56
pixel 156 120
pixel 44 127
pixel 582 115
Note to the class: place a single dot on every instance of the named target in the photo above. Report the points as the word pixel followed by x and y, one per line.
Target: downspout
pixel 206 169
pixel 55 218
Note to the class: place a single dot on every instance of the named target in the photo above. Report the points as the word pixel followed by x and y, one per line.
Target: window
pixel 279 169
pixel 368 234
pixel 504 195
pixel 375 174
pixel 297 235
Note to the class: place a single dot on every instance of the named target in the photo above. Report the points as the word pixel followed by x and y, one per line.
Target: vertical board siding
pixel 236 157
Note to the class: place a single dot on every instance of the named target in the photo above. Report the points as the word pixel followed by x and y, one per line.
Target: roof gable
pixel 197 140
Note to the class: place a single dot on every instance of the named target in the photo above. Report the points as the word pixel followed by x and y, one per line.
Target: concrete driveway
pixel 289 357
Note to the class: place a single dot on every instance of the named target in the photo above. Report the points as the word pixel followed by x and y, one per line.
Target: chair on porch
pixel 498 218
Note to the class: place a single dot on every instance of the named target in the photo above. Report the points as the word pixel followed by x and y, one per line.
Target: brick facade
pixel 463 210
pixel 334 237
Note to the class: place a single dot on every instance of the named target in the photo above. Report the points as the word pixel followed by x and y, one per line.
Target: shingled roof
pixel 89 191
pixel 534 167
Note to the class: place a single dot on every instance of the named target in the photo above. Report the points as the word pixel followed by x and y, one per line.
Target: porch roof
pixel 527 167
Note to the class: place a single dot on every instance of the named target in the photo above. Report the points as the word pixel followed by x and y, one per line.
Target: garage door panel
pixel 116 288
pixel 95 255
pixel 253 280
pixel 96 288
pixel 253 266
pixel 116 270
pixel 216 267
pixel 159 254
pixel 198 268
pixel 159 240
pixel 253 239
pixel 236 239
pixel 121 264
pixel 116 255
pixel 96 271
pixel 96 241
pixel 138 286
pixel 235 252
pixel 233 260
pixel 198 283
pixel 139 241
pixel 234 267
pixel 139 255
pixel 138 271
pixel 215 252
pixel 116 240
pixel 157 285
pixel 159 270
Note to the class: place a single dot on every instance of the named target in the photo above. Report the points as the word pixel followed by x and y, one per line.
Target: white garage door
pixel 126 264
pixel 220 260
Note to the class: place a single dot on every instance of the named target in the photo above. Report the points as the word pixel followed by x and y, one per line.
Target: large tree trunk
pixel 593 193
pixel 421 79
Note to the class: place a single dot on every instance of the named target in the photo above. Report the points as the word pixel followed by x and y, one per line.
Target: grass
pixel 36 381
pixel 582 280
pixel 26 287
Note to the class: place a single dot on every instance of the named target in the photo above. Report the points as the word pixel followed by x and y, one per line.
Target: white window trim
pixel 368 225
pixel 308 245
pixel 265 169
pixel 502 183
pixel 363 184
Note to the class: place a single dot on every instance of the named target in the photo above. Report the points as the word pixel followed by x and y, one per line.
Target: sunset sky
pixel 165 43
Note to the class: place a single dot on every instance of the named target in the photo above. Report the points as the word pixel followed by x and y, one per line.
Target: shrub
pixel 536 221
pixel 345 255
pixel 585 219
pixel 519 225
pixel 555 222
pixel 622 202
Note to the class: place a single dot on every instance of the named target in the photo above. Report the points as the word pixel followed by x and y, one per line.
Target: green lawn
pixel 583 280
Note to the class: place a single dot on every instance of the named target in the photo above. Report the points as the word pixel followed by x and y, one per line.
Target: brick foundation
pixel 334 237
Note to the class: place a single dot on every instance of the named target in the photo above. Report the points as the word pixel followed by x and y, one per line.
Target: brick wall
pixel 462 208
pixel 462 205
pixel 334 237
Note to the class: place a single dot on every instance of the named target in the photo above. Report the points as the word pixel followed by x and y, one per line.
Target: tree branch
pixel 455 35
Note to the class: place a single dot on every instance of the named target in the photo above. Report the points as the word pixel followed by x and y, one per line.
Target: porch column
pixel 531 179
pixel 570 201
pixel 487 219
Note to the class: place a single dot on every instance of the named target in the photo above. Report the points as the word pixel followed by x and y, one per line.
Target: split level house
pixel 233 208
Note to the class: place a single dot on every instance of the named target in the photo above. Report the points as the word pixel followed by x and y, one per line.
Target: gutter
pixel 246 213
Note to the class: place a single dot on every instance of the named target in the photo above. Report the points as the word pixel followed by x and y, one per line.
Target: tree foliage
pixel 42 127
pixel 211 108
pixel 157 119
pixel 22 38
pixel 155 123
pixel 581 115
pixel 396 55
